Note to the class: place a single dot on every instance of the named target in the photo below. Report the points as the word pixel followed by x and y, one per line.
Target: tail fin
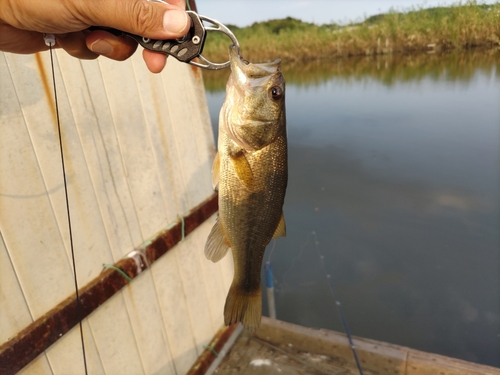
pixel 243 307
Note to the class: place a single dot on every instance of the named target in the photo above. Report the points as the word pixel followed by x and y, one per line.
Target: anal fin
pixel 281 228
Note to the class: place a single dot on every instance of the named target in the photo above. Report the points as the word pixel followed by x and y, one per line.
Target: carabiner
pixel 218 27
pixel 188 47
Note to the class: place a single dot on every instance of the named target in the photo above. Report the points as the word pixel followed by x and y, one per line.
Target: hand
pixel 23 23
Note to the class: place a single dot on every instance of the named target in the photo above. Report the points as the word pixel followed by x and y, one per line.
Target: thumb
pixel 151 19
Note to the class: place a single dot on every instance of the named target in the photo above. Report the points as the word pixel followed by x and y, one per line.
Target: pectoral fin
pixel 243 169
pixel 216 172
pixel 216 247
pixel 281 228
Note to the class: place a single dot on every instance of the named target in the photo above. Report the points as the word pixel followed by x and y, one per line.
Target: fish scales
pixel 251 173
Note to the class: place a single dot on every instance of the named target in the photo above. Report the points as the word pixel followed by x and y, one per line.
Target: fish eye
pixel 276 93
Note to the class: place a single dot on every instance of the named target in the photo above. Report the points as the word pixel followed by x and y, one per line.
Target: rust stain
pixel 46 330
pixel 49 93
pixel 197 73
pixel 206 358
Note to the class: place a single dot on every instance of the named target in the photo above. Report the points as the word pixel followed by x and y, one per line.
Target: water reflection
pixel 395 176
pixel 388 69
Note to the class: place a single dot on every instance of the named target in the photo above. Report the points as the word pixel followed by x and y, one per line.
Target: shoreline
pixel 433 30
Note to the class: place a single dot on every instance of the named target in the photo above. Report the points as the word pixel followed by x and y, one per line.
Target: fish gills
pixel 250 171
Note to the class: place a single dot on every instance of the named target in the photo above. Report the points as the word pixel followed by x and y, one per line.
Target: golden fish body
pixel 251 172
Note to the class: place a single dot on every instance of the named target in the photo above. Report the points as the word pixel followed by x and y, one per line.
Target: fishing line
pixel 50 41
pixel 338 304
pixel 110 266
pixel 330 286
pixel 271 253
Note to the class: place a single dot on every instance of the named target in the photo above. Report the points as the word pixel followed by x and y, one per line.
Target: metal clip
pixel 218 27
pixel 191 45
pixel 188 47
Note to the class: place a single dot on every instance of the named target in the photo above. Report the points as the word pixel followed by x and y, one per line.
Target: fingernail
pixel 175 20
pixel 101 47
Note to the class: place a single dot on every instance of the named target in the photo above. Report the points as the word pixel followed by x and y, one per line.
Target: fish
pixel 250 171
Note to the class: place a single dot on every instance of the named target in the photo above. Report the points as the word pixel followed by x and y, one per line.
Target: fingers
pixel 74 44
pixel 109 45
pixel 154 61
pixel 20 41
pixel 146 18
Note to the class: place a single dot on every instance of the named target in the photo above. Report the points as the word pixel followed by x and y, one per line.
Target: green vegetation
pixel 461 26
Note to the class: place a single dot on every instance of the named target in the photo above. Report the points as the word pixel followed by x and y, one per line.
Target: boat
pixel 279 348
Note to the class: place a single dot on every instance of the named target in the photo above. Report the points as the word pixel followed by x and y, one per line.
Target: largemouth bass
pixel 251 172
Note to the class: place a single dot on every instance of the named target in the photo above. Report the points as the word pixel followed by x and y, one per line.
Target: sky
pixel 245 12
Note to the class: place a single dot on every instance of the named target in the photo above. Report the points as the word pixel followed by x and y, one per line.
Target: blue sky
pixel 245 12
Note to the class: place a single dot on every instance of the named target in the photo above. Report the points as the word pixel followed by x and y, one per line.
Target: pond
pixel 394 178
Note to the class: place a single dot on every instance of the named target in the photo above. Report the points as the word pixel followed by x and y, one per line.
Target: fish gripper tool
pixel 187 48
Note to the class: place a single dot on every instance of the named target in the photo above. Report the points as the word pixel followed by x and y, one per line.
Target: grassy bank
pixel 464 25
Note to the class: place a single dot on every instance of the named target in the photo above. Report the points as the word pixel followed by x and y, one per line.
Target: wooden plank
pixel 196 111
pixel 142 184
pixel 66 357
pixel 194 286
pixel 115 198
pixel 158 115
pixel 213 279
pixel 174 309
pixel 147 323
pixel 26 195
pixel 15 313
pixel 194 171
pixel 421 363
pixel 95 175
pixel 335 346
pixel 156 112
pixel 375 356
pixel 197 123
pixel 115 338
pixel 138 160
pixel 89 256
pixel 39 366
pixel 90 239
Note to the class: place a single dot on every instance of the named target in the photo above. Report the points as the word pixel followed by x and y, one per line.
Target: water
pixel 394 174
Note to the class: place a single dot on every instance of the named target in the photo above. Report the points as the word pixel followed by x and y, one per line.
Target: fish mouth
pixel 238 64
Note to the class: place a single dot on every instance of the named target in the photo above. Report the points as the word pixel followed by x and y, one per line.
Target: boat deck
pixel 252 355
pixel 283 348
